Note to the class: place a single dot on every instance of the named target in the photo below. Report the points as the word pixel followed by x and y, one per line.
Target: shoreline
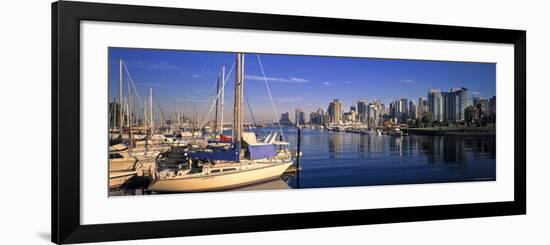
pixel 442 131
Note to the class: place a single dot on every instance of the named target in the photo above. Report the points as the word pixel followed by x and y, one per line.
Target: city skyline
pixel 440 106
pixel 188 78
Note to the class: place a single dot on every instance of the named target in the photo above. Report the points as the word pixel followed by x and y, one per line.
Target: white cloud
pixel 326 83
pixel 298 80
pixel 197 75
pixel 277 79
pixel 153 65
pixel 476 93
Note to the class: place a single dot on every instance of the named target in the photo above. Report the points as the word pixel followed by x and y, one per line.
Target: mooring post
pixel 298 159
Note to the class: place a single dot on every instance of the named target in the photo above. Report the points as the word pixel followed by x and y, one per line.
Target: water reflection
pixel 344 159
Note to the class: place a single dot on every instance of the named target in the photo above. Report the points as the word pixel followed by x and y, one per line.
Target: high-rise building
pixel 353 112
pixel 285 119
pixel 393 109
pixel 398 110
pixel 302 117
pixel 349 117
pixel 482 105
pixel 335 111
pixel 299 117
pixel 362 110
pixel 321 115
pixel 372 115
pixel 413 109
pixel 382 110
pixel 422 107
pixel 471 113
pixel 326 118
pixel 313 118
pixel 455 102
pixel 492 111
pixel 317 118
pixel 492 108
pixel 403 109
pixel 435 104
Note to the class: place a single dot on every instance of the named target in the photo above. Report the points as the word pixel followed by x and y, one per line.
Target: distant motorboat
pixel 395 132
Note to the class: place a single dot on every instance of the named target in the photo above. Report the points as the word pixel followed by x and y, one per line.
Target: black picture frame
pixel 66 17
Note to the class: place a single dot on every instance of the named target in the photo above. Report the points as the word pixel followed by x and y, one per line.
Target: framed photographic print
pixel 177 122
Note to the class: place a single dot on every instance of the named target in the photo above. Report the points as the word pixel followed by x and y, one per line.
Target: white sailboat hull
pixel 129 163
pixel 124 164
pixel 119 178
pixel 221 181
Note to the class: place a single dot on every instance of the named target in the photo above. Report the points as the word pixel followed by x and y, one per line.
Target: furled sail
pixel 228 155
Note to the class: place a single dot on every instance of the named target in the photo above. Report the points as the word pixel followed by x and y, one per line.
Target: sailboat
pixel 248 160
pixel 128 160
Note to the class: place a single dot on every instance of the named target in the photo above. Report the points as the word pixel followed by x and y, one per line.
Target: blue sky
pixel 186 79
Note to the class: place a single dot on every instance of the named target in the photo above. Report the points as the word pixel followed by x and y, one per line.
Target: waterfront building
pixel 492 108
pixel 403 109
pixel 398 109
pixel 326 119
pixel 482 104
pixel 472 113
pixel 362 110
pixel 348 117
pixel 299 117
pixel 317 117
pixel 435 104
pixel 423 107
pixel 413 109
pixel 321 117
pixel 393 109
pixel 313 118
pixel 335 111
pixel 455 102
pixel 372 115
pixel 285 119
pixel 353 114
pixel 382 110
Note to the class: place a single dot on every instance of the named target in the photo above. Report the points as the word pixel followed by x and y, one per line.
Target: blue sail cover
pixel 262 151
pixel 229 155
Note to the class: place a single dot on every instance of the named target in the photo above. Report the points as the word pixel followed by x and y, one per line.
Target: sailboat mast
pixel 130 121
pixel 120 123
pixel 127 109
pixel 241 108
pixel 151 108
pixel 222 99
pixel 145 116
pixel 217 99
pixel 237 110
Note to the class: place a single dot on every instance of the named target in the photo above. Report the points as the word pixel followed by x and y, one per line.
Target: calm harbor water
pixel 335 159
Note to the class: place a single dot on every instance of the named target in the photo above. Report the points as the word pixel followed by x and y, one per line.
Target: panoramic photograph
pixel 198 121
